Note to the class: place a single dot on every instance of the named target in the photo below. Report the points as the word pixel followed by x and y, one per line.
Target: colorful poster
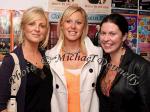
pixel 4 22
pixel 5 16
pixel 144 36
pixel 132 34
pixel 4 46
pixel 144 4
pixel 16 20
pixel 131 4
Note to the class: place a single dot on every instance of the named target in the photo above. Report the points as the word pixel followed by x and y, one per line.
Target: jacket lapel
pixel 56 63
pixel 91 51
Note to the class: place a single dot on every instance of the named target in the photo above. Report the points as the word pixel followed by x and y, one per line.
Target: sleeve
pixel 144 87
pixel 6 70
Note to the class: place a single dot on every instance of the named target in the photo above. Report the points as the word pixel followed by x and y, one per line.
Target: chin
pixel 109 51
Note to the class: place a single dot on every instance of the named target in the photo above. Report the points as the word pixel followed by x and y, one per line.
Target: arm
pixel 6 70
pixel 144 87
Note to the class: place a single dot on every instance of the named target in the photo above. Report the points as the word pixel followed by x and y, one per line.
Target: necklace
pixel 107 82
pixel 72 52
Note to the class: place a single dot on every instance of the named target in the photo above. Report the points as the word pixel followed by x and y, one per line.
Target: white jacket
pixel 88 97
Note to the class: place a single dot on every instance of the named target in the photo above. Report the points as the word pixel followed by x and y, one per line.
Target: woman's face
pixel 111 37
pixel 73 27
pixel 35 31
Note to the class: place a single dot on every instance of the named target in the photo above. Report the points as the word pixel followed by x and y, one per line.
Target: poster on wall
pixel 144 4
pixel 16 20
pixel 61 5
pixel 4 47
pixel 5 21
pixel 23 4
pixel 132 34
pixel 94 6
pixel 5 16
pixel 144 36
pixel 97 6
pixel 131 4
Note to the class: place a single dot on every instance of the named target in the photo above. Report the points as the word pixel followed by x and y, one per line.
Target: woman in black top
pixel 123 84
pixel 35 91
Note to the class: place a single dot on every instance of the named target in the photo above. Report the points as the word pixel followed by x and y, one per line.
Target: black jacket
pixel 130 91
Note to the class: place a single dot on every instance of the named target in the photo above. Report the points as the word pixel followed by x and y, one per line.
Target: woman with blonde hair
pixel 74 65
pixel 34 94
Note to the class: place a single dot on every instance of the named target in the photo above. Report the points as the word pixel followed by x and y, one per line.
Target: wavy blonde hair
pixel 67 13
pixel 32 14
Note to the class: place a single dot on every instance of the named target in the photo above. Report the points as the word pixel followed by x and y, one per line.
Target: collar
pixel 90 48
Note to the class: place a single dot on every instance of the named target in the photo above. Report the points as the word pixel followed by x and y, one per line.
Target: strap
pixel 16 76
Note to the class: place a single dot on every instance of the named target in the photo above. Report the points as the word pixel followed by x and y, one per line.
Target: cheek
pixel 118 43
pixel 80 29
pixel 64 26
pixel 44 32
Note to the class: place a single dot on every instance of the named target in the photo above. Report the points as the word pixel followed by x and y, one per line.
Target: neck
pixel 30 48
pixel 72 46
pixel 116 56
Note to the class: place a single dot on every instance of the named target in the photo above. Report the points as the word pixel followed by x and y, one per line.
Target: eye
pixel 78 22
pixel 32 23
pixel 43 26
pixel 112 34
pixel 102 33
pixel 68 21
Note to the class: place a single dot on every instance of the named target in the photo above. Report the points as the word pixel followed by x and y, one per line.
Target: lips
pixel 72 33
pixel 36 34
pixel 107 44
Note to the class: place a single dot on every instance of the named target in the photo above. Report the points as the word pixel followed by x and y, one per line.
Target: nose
pixel 105 37
pixel 73 24
pixel 37 28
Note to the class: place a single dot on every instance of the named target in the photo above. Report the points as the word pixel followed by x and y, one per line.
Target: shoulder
pixel 55 50
pixel 131 57
pixel 136 63
pixel 51 51
pixel 7 64
pixel 92 48
pixel 140 61
pixel 19 52
pixel 8 60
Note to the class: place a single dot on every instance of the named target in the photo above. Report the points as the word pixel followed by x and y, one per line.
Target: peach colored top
pixel 73 86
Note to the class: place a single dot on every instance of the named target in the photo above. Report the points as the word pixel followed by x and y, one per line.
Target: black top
pixel 38 89
pixel 130 90
pixel 6 70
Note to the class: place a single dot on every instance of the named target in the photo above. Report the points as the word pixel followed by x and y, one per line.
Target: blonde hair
pixel 67 13
pixel 32 14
